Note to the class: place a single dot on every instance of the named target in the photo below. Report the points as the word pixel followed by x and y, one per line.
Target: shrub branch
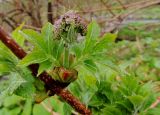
pixel 54 86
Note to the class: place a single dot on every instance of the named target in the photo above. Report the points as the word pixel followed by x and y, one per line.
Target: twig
pixel 38 11
pixel 50 15
pixel 108 7
pixel 127 6
pixel 31 27
pixel 36 22
pixel 9 23
pixel 119 1
pixel 52 85
pixel 113 23
pixel 13 20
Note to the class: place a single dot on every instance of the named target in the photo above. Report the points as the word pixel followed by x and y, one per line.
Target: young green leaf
pixel 91 65
pixel 58 50
pixel 47 33
pixel 103 43
pixel 4 68
pixel 7 55
pixel 111 110
pixel 93 33
pixel 37 56
pixel 136 100
pixel 77 50
pixel 25 90
pixel 35 38
pixel 110 37
pixel 17 36
pixel 15 81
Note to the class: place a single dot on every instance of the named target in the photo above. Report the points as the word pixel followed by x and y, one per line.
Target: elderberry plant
pixel 62 55
pixel 65 57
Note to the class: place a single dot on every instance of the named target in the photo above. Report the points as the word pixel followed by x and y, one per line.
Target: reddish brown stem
pixel 52 85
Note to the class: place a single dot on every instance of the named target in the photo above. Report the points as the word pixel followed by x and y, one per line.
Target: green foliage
pixel 139 29
pixel 50 52
pixel 16 80
pixel 17 37
pixel 16 76
pixel 123 95
pixel 114 78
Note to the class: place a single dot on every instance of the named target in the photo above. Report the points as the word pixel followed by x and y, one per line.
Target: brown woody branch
pixel 9 23
pixel 119 1
pixel 130 6
pixel 50 15
pixel 54 86
pixel 114 22
pixel 108 7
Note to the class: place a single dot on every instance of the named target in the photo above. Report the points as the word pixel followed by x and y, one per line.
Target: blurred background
pixel 110 14
pixel 35 12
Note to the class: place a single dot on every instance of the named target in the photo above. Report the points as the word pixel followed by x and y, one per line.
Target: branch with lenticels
pixel 52 85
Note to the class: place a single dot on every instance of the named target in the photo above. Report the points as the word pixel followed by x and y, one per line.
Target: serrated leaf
pixel 93 32
pixel 96 103
pixel 130 85
pixel 125 103
pixel 146 89
pixel 7 55
pixel 90 65
pixel 17 36
pixel 47 32
pixel 4 68
pixel 136 100
pixel 112 110
pixel 59 49
pixel 104 42
pixel 36 56
pixel 87 96
pixel 35 38
pixel 15 81
pixel 109 37
pixel 77 50
pixel 25 90
pixel 104 60
pixel 154 111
